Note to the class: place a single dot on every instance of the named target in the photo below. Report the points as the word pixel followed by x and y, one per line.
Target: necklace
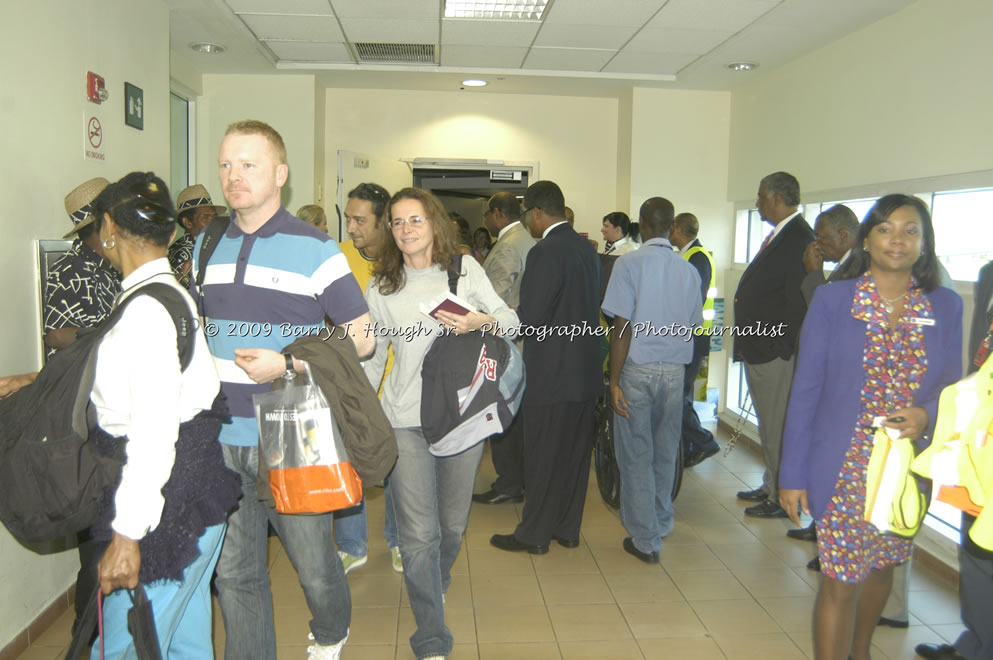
pixel 888 302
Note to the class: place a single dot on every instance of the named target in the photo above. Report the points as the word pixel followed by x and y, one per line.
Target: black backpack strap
pixel 175 304
pixel 454 273
pixel 211 237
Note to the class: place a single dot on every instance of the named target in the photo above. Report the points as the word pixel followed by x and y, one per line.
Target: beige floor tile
pixel 498 562
pixel 529 623
pixel 575 623
pixel 575 588
pixel 505 590
pixel 708 585
pixel 603 533
pixel 695 648
pixel 936 607
pixel 793 614
pixel 812 578
pixel 374 590
pixel 689 558
pixel 459 652
pixel 460 621
pixel 804 641
pixel 732 533
pixel 682 534
pixel 772 582
pixel 734 617
pixel 379 652
pixel 44 653
pixel 617 649
pixel 374 626
pixel 924 579
pixel 565 560
pixel 949 631
pixel 651 620
pixel 459 594
pixel 611 558
pixel 287 592
pixel 897 643
pixel 760 647
pixel 493 517
pixel 292 625
pixel 747 556
pixel 520 651
pixel 705 514
pixel 642 587
pixel 792 552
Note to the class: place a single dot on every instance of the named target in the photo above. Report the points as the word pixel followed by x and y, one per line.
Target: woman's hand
pixel 460 324
pixel 119 566
pixel 10 384
pixel 915 420
pixel 793 502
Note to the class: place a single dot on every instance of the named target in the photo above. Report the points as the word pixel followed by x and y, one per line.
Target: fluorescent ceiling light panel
pixel 521 10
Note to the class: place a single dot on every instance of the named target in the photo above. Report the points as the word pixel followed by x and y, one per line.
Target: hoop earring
pixel 109 243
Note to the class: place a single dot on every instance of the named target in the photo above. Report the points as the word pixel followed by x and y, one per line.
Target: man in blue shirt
pixel 654 297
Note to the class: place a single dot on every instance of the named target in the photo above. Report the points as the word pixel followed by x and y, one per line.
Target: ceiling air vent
pixel 395 53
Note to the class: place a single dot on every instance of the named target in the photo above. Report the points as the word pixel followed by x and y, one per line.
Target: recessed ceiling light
pixel 474 83
pixel 210 49
pixel 742 66
pixel 521 10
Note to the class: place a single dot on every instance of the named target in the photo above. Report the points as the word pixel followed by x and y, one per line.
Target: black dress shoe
pixel 495 497
pixel 938 652
pixel 803 534
pixel 697 457
pixel 756 495
pixel 766 509
pixel 566 543
pixel 892 623
pixel 647 557
pixel 814 564
pixel 510 543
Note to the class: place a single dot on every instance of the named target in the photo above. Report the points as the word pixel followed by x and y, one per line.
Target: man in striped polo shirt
pixel 271 278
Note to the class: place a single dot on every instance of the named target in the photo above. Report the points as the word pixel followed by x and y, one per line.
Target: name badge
pixel 916 320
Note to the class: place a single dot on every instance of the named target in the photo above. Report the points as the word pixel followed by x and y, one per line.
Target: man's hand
pixel 10 384
pixel 119 566
pixel 914 422
pixel 262 365
pixel 617 401
pixel 793 501
pixel 813 258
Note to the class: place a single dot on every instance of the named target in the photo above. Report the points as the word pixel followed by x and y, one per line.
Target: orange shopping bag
pixel 300 444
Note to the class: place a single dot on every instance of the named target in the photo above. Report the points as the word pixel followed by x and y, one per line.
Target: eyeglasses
pixel 413 221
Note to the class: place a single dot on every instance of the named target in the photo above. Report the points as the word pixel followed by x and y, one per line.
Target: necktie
pixel 610 248
pixel 767 240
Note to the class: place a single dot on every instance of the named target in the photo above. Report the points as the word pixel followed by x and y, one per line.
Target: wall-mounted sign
pixel 93 138
pixel 134 112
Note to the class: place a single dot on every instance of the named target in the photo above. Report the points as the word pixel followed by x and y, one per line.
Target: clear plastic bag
pixel 300 445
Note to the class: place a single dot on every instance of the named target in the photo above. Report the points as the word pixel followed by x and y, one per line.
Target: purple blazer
pixel 825 399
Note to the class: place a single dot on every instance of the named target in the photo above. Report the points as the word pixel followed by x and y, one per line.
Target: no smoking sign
pixel 93 138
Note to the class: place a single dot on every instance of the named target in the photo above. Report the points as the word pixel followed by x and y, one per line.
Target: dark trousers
pixel 558 443
pixel 90 552
pixel 507 450
pixel 695 438
pixel 976 596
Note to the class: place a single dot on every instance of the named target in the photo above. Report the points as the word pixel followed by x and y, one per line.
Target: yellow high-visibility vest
pixel 708 303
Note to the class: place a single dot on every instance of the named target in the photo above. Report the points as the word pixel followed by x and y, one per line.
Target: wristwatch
pixel 290 371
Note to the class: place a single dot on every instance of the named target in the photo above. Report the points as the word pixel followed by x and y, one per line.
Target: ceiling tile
pixel 466 32
pixel 567 59
pixel 310 51
pixel 391 31
pixel 483 56
pixel 388 10
pixel 584 36
pixel 308 7
pixel 601 12
pixel 657 63
pixel 725 15
pixel 677 41
pixel 300 28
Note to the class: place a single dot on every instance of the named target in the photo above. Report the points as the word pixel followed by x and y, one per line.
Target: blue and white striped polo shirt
pixel 264 290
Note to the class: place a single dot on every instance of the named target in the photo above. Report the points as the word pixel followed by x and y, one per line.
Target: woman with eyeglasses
pixel 431 495
pixel 165 522
pixel 880 343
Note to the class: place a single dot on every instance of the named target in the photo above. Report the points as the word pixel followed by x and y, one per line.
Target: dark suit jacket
pixel 560 289
pixel 769 294
pixel 980 318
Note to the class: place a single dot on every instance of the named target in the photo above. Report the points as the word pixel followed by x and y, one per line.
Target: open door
pixel 355 168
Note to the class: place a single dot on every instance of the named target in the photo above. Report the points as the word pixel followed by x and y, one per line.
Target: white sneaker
pixel 396 559
pixel 325 652
pixel 350 562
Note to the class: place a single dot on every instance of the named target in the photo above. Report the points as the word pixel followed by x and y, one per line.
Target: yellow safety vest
pixel 708 303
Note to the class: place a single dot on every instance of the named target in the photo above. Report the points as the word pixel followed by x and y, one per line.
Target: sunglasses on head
pixel 146 207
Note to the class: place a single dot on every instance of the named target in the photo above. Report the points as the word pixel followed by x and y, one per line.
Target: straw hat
pixel 194 197
pixel 79 203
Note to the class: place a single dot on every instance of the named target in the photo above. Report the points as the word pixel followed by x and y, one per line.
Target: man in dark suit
pixel 559 312
pixel 770 300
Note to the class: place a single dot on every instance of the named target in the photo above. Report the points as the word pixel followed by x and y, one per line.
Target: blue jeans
pixel 351 531
pixel 243 581
pixel 646 444
pixel 181 609
pixel 431 497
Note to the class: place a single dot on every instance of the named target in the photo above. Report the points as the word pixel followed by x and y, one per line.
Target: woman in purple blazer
pixel 883 341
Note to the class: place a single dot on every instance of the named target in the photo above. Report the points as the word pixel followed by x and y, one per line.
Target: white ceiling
pixel 586 47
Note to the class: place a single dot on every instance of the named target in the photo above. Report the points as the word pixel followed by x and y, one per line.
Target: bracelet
pixel 289 363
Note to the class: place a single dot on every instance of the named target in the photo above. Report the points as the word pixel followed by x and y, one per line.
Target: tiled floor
pixel 728 587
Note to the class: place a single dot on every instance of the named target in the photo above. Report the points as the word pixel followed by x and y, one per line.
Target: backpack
pixel 471 386
pixel 52 476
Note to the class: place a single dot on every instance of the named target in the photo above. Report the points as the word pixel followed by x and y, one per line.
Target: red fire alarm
pixel 96 90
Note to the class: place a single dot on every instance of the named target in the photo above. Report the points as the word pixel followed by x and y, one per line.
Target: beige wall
pixel 573 139
pixel 49 46
pixel 906 97
pixel 286 102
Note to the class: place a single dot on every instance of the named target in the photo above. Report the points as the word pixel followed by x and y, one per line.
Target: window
pixel 961 231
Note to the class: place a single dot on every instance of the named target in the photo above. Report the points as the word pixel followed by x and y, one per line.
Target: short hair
pixel 619 219
pixel 313 214
pixel 507 203
pixel 657 214
pixel 140 206
pixel 375 194
pixel 840 216
pixel 785 185
pixel 687 224
pixel 925 269
pixel 547 196
pixel 256 127
pixel 569 215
